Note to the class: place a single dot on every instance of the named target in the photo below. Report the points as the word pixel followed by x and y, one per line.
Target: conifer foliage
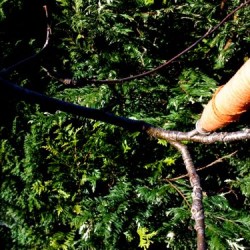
pixel 68 182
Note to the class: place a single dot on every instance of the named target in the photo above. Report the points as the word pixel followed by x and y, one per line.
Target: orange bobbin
pixel 228 102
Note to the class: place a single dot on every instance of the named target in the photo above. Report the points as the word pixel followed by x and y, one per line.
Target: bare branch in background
pixel 83 82
pixel 7 71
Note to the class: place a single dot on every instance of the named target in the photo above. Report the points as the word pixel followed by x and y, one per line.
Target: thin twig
pixel 65 81
pixel 202 168
pixel 81 82
pixel 179 192
pixel 7 71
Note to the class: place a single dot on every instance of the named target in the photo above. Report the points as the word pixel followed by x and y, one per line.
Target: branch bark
pixel 197 206
pixel 74 109
pixel 173 137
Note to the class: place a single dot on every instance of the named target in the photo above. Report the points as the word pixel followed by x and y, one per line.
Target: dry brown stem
pixel 179 192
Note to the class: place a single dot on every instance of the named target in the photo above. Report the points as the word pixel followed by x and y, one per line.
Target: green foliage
pixel 72 183
pixel 145 238
pixel 229 222
pixel 2 15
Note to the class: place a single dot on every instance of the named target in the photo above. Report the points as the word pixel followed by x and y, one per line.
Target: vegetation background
pixel 68 182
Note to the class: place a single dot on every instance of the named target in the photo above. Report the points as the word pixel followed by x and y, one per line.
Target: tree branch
pixel 197 206
pixel 130 124
pixel 56 104
pixel 160 133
